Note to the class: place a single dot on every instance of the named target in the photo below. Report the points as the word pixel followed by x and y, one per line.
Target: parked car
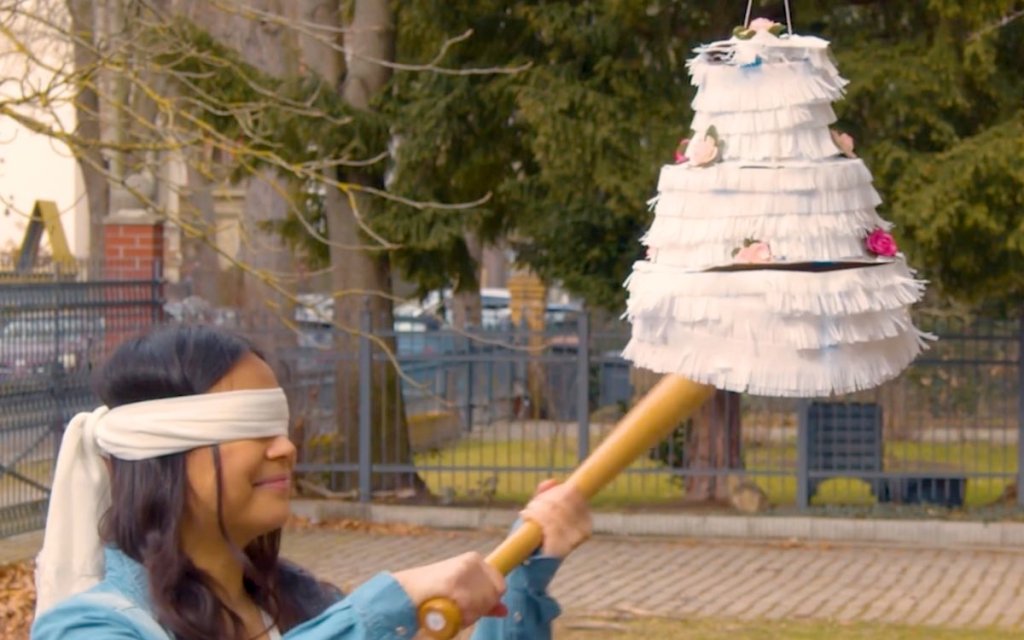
pixel 44 342
pixel 416 331
pixel 496 312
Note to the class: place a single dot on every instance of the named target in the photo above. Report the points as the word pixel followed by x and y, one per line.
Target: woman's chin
pixel 270 517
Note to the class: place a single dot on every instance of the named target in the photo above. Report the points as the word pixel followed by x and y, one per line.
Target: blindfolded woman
pixel 168 504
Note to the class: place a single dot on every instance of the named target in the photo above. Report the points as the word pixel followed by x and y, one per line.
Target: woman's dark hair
pixel 149 496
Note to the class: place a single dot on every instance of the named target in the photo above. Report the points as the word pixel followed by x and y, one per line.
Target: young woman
pixel 167 507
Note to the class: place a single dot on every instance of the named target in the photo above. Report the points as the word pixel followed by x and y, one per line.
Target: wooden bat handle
pixel 652 419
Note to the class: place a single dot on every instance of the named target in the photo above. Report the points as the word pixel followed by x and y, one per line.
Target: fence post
pixel 469 381
pixel 583 386
pixel 57 378
pixel 156 297
pixel 1020 411
pixel 365 402
pixel 803 499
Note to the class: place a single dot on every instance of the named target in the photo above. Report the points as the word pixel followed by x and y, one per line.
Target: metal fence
pixel 480 418
pixel 490 414
pixel 53 332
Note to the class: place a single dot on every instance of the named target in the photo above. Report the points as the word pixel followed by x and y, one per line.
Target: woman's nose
pixel 281 447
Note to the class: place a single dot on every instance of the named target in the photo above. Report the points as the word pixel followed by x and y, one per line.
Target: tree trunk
pixel 709 443
pixel 713 448
pixel 273 50
pixel 87 109
pixel 199 259
pixel 361 273
pixel 466 308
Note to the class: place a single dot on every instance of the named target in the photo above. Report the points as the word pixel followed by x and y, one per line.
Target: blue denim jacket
pixel 118 608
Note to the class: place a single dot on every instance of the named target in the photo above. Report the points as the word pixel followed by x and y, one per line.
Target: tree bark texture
pixel 713 448
pixel 361 273
pixel 87 108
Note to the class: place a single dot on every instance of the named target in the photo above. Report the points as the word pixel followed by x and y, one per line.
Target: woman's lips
pixel 280 482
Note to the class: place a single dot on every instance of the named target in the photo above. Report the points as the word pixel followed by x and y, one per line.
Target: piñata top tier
pixel 768 269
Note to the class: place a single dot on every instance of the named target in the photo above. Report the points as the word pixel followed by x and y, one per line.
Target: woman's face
pixel 256 473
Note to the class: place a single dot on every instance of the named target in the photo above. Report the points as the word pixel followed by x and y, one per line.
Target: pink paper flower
pixel 703 152
pixel 755 252
pixel 844 141
pixel 681 151
pixel 761 24
pixel 881 243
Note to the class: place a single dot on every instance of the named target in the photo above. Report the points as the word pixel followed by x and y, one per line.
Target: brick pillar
pixel 133 254
pixel 133 246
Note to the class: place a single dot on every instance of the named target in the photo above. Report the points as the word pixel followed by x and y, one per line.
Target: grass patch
pixel 761 630
pixel 507 470
pixel 519 465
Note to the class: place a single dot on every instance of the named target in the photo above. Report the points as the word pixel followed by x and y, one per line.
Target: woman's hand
pixel 473 585
pixel 563 516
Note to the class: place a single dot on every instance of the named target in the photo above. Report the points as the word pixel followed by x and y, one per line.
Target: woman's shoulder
pixel 304 588
pixel 102 611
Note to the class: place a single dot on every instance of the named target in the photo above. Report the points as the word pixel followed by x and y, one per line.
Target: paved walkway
pixel 948 587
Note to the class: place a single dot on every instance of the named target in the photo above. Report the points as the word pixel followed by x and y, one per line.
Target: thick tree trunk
pixel 466 308
pixel 361 272
pixel 199 259
pixel 708 445
pixel 273 50
pixel 87 108
pixel 713 448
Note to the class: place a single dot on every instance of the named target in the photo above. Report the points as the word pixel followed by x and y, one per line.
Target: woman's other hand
pixel 563 515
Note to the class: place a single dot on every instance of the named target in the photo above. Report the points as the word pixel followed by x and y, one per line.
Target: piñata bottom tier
pixel 788 330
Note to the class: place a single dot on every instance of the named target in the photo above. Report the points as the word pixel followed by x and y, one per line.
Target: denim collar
pixel 128 577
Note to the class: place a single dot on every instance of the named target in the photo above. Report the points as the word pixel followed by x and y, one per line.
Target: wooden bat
pixel 674 398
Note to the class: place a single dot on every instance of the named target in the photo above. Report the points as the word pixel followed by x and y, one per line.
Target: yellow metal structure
pixel 45 219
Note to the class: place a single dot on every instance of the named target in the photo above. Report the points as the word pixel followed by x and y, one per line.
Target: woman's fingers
pixel 550 483
pixel 564 517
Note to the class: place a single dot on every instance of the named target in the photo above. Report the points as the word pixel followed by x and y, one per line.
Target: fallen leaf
pixel 17 599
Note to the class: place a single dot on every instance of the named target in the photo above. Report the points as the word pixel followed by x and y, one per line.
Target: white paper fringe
pixel 830 175
pixel 792 144
pixel 677 250
pixel 788 48
pixel 739 204
pixel 747 323
pixel 723 88
pixel 678 231
pixel 656 290
pixel 763 369
pixel 746 122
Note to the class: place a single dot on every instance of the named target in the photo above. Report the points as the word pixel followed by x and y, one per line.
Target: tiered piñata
pixel 768 269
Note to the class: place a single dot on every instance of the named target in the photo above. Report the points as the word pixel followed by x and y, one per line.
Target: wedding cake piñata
pixel 768 270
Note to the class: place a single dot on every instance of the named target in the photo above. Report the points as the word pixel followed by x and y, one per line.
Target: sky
pixel 32 166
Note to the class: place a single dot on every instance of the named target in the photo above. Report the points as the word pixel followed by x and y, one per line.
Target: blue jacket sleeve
pixel 530 609
pixel 378 610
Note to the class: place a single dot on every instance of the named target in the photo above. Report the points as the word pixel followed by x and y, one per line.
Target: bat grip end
pixel 440 618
